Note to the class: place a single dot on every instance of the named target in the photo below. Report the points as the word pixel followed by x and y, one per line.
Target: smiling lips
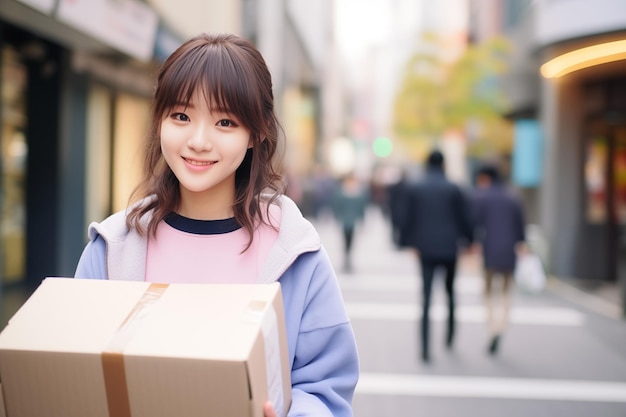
pixel 198 163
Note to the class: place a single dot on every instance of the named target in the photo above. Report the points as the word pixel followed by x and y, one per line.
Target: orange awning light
pixel 583 58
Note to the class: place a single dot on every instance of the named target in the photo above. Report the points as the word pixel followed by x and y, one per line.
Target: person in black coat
pixel 436 224
pixel 499 221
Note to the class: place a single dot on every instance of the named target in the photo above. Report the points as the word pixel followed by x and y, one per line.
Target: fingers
pixel 268 410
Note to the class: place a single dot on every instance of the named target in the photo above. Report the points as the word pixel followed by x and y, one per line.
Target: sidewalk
pixel 602 298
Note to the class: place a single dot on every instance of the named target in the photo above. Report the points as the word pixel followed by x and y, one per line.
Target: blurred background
pixel 368 87
pixel 364 86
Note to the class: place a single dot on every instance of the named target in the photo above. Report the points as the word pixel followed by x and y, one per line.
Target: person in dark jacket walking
pixel 436 223
pixel 499 222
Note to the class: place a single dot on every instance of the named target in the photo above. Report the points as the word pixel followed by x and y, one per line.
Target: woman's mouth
pixel 197 163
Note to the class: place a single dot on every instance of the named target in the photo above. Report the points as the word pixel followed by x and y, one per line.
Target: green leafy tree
pixel 437 96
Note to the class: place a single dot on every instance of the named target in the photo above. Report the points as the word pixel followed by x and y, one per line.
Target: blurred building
pixel 77 78
pixel 386 34
pixel 567 88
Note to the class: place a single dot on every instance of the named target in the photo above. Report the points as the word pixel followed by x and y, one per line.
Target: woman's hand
pixel 268 410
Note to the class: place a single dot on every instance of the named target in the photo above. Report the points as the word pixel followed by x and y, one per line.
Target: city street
pixel 563 354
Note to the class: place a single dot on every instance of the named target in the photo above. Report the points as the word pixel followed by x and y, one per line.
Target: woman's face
pixel 204 148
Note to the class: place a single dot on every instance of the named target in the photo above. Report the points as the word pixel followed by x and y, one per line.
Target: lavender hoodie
pixel 322 348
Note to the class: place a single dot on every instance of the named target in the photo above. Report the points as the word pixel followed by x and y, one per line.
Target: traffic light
pixel 382 146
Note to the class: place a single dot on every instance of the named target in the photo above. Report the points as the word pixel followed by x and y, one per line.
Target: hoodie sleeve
pixel 92 262
pixel 322 346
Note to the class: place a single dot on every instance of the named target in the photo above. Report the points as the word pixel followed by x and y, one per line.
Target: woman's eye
pixel 182 117
pixel 226 123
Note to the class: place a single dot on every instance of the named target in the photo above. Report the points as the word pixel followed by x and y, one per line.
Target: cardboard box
pixel 81 348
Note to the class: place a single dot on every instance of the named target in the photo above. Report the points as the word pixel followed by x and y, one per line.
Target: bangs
pixel 219 74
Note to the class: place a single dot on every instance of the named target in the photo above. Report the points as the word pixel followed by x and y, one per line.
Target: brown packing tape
pixel 113 356
pixel 115 384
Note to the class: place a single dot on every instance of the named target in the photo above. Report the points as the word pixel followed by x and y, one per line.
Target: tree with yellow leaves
pixel 464 95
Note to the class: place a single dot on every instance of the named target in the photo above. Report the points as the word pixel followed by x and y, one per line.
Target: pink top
pixel 199 251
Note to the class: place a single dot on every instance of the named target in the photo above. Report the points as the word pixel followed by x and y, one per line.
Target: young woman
pixel 210 210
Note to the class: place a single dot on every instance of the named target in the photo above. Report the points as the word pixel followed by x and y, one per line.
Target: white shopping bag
pixel 529 274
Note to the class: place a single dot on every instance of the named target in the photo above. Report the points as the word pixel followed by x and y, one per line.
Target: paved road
pixel 564 353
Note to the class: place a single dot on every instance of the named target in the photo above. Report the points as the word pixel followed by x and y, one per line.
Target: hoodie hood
pixel 296 235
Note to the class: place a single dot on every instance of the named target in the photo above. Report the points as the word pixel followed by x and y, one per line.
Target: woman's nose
pixel 199 139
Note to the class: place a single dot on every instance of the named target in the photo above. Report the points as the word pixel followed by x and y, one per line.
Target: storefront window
pixel 14 151
pixel 131 122
pixel 595 179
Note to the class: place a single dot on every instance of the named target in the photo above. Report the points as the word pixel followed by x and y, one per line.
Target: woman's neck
pixel 206 206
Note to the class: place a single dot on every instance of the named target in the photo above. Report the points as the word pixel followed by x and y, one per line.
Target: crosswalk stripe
pixel 487 387
pixel 385 283
pixel 548 316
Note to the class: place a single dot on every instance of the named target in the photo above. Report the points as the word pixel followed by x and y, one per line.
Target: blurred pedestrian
pixel 349 205
pixel 499 223
pixel 210 209
pixel 436 225
pixel 396 195
pixel 323 187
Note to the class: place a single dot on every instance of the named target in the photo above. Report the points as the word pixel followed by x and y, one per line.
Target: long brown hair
pixel 233 77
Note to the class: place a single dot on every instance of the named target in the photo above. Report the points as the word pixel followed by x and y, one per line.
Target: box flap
pixel 70 315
